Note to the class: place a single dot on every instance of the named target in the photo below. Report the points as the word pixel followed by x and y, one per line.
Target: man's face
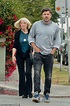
pixel 46 16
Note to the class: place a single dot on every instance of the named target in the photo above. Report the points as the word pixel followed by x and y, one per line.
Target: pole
pixel 61 56
pixel 68 38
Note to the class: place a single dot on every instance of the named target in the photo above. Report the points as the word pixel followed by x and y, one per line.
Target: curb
pixel 56 96
pixel 15 92
pixel 7 88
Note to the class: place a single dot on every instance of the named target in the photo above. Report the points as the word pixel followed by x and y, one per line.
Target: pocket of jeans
pixel 51 55
pixel 36 54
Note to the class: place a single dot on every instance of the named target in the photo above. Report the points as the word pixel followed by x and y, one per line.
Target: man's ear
pixel 51 14
pixel 41 16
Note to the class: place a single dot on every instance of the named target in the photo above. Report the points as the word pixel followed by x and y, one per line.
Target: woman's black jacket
pixel 18 47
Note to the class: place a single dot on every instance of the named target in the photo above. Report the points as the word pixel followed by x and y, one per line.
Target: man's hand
pixel 53 50
pixel 36 49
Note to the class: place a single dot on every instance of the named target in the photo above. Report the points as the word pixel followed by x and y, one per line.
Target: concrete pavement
pixel 6 100
pixel 60 94
pixel 56 90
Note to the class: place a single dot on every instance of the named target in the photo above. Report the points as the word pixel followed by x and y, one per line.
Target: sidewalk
pixel 11 84
pixel 59 95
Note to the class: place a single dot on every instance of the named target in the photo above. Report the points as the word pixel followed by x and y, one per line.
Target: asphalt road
pixel 8 100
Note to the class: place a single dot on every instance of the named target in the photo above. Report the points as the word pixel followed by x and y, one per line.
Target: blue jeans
pixel 47 62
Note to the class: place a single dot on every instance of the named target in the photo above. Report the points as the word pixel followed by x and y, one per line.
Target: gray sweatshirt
pixel 45 36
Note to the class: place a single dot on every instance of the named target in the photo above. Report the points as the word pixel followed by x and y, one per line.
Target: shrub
pixel 7 19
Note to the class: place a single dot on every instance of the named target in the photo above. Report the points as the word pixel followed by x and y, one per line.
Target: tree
pixel 7 19
pixel 55 16
pixel 32 8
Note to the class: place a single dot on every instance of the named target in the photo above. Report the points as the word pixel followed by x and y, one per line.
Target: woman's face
pixel 23 25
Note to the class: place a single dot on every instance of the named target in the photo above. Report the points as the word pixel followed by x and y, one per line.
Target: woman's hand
pixel 14 60
pixel 13 56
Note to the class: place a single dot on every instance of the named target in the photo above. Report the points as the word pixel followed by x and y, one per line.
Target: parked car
pixel 63 50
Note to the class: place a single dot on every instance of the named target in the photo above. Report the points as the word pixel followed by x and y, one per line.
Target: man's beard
pixel 46 20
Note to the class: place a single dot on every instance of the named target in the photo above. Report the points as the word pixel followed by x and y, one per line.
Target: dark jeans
pixel 47 62
pixel 25 75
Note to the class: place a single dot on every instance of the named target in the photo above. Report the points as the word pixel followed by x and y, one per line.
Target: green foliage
pixel 5 14
pixel 7 19
pixel 52 6
pixel 32 8
pixel 18 8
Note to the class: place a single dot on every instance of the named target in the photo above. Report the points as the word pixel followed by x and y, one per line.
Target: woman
pixel 21 56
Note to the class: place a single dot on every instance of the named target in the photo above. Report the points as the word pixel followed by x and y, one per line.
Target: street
pixel 8 100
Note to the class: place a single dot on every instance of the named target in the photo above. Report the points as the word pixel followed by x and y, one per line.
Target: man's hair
pixel 46 9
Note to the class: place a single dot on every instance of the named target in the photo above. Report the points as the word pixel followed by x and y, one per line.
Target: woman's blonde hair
pixel 17 23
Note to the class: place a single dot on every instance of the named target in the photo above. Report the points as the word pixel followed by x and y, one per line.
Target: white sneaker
pixel 46 98
pixel 36 97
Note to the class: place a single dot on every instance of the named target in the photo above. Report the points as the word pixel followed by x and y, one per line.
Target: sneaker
pixel 36 97
pixel 47 98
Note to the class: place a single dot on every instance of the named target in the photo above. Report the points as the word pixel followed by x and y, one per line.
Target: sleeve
pixel 57 39
pixel 31 37
pixel 15 41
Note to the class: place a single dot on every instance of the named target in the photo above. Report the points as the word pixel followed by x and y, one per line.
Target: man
pixel 44 37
